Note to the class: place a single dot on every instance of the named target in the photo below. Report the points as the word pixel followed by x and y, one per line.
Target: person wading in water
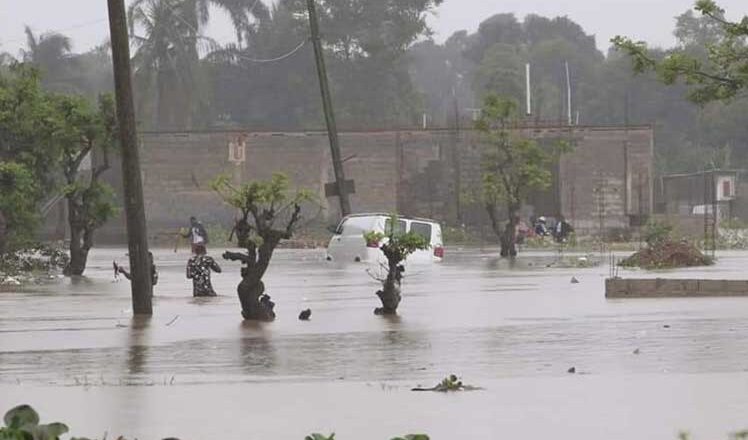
pixel 199 268
pixel 197 234
pixel 121 270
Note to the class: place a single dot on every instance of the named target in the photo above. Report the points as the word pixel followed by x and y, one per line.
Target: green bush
pixel 22 423
pixel 657 233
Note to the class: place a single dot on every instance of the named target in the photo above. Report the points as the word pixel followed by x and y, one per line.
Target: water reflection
pixel 138 344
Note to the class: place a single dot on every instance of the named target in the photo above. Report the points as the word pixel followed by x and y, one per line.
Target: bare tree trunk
pixel 78 256
pixel 508 237
pixel 81 241
pixel 256 305
pixel 391 293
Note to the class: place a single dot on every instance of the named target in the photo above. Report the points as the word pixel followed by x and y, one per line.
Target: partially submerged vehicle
pixel 348 243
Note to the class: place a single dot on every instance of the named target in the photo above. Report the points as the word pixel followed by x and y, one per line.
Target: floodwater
pixel 646 369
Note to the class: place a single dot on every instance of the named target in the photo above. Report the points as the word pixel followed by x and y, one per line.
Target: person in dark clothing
pixel 121 270
pixel 197 234
pixel 562 230
pixel 541 229
pixel 199 268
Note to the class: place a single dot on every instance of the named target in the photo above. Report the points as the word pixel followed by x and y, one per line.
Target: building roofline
pixel 700 173
pixel 322 132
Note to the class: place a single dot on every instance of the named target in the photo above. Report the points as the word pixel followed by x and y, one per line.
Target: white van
pixel 348 244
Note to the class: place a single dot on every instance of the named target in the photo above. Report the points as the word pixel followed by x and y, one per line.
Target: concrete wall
pixel 419 173
pixel 662 288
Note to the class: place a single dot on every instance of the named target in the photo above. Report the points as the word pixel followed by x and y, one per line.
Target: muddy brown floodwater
pixel 197 372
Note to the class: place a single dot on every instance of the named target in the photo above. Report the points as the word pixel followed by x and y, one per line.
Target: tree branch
pixel 237 256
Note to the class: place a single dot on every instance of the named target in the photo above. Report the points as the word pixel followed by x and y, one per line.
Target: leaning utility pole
pixel 332 129
pixel 142 289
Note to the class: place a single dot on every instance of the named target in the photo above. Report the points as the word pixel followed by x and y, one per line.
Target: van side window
pixel 422 229
pixel 356 226
pixel 399 228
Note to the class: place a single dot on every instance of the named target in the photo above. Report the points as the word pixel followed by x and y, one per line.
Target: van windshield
pixel 357 226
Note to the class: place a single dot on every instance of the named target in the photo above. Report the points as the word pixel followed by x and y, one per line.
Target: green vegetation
pixel 44 135
pixel 332 437
pixel 449 384
pixel 718 71
pixel 85 134
pixel 185 80
pixel 513 167
pixel 396 245
pixel 17 206
pixel 269 212
pixel 22 423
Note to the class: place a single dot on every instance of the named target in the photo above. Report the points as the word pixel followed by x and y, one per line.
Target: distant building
pixel 604 185
pixel 696 194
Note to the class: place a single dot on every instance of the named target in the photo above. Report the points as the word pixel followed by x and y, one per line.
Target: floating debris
pixel 305 315
pixel 450 383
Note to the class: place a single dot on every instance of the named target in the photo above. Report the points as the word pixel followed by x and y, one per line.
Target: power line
pixel 272 60
pixel 61 30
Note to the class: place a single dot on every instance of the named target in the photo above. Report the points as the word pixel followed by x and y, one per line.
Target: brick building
pixel 605 182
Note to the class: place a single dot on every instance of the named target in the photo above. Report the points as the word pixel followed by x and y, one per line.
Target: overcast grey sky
pixel 651 20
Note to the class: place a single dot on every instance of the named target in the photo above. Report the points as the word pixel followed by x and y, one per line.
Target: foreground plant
pixel 269 213
pixel 332 437
pixel 22 423
pixel 396 247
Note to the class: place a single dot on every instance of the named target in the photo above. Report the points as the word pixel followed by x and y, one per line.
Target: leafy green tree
pixel 26 136
pixel 513 167
pixel 18 212
pixel 501 72
pixel 441 75
pixel 165 62
pixel 722 76
pixel 397 246
pixel 27 154
pixel 85 135
pixel 278 95
pixel 269 212
pixel 169 38
pixel 367 43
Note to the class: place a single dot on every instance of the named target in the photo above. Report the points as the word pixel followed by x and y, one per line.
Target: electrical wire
pixel 61 30
pixel 272 60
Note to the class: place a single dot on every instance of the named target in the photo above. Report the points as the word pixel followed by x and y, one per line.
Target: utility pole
pixel 332 129
pixel 137 238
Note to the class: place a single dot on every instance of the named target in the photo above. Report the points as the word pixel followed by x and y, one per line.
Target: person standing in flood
pixel 126 273
pixel 197 234
pixel 199 268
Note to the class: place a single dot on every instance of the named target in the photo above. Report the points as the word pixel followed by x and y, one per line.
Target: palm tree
pixel 50 53
pixel 165 58
pixel 169 48
pixel 240 12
